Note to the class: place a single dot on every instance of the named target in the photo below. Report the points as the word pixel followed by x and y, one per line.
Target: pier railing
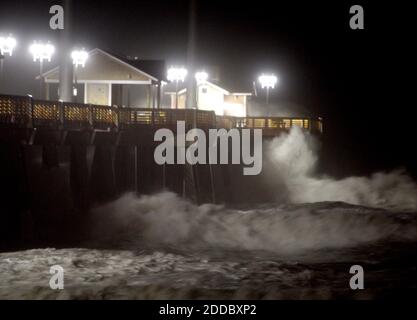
pixel 26 112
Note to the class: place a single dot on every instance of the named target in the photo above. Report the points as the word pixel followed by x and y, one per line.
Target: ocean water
pixel 164 247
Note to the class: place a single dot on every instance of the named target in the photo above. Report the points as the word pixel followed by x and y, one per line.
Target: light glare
pixel 268 81
pixel 7 45
pixel 176 74
pixel 42 51
pixel 79 57
pixel 201 76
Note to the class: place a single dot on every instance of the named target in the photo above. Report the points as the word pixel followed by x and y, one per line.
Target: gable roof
pixel 156 68
pixel 119 60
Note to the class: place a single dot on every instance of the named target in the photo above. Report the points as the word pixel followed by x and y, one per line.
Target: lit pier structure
pixel 28 113
pixel 60 159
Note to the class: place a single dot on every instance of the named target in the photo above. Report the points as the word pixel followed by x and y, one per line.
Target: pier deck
pixel 25 112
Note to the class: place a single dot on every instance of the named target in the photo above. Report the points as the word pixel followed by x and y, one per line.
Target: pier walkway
pixel 25 112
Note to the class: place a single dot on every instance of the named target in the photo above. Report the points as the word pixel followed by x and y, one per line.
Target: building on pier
pixel 212 97
pixel 108 79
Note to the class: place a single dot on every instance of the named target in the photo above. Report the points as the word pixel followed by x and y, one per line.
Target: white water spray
pixel 293 161
pixel 309 223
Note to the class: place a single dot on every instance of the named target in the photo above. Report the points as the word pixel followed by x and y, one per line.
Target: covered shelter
pixel 108 79
pixel 212 97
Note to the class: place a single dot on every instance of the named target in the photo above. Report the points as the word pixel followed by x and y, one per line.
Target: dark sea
pixel 164 247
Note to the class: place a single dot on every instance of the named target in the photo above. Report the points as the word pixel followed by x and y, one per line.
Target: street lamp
pixel 201 77
pixel 7 45
pixel 79 58
pixel 41 52
pixel 268 82
pixel 176 75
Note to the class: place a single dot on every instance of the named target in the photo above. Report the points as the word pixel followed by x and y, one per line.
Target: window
pixel 287 123
pixel 298 123
pixel 273 123
pixel 259 123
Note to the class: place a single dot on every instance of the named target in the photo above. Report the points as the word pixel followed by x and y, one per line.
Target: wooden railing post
pixel 31 122
pixel 117 113
pixel 61 113
pixel 90 116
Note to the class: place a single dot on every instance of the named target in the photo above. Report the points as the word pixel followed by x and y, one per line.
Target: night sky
pixel 360 81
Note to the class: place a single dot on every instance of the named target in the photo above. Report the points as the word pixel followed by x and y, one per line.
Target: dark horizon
pixel 351 78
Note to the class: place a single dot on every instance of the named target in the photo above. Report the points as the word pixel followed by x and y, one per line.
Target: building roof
pixel 156 68
pixel 217 87
pixel 116 68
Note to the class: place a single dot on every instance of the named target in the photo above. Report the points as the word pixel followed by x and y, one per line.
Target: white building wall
pixel 212 99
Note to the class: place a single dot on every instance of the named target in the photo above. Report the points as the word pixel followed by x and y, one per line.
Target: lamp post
pixel 176 75
pixel 41 52
pixel 201 78
pixel 7 45
pixel 79 58
pixel 268 82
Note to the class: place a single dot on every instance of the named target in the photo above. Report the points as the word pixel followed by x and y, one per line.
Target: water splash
pixel 167 219
pixel 292 160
